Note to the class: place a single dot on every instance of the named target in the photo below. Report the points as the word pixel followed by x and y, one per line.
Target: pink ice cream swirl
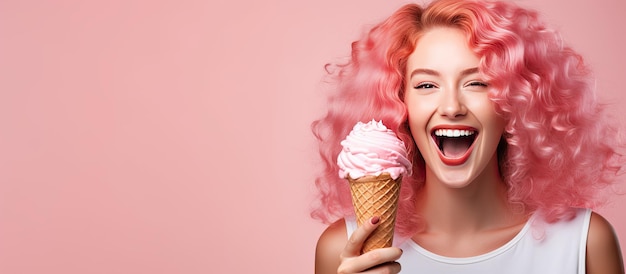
pixel 372 149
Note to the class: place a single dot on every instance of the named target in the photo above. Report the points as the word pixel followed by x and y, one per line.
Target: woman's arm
pixel 335 253
pixel 603 252
pixel 329 246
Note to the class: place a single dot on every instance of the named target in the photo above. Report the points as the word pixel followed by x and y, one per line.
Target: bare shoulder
pixel 603 251
pixel 329 246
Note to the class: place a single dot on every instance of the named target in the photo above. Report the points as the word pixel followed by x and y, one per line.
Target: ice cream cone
pixel 376 196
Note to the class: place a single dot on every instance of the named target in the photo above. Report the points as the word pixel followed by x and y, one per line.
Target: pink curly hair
pixel 554 155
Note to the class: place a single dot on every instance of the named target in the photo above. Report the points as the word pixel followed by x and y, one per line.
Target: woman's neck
pixel 481 205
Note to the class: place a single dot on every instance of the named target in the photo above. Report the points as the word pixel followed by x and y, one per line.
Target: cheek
pixel 419 109
pixel 494 121
pixel 484 110
pixel 418 117
pixel 494 124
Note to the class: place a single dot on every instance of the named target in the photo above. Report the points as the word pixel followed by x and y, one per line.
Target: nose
pixel 451 104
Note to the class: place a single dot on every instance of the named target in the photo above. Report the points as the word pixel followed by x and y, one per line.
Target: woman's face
pixel 452 120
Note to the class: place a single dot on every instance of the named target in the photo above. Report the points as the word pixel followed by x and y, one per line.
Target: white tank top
pixel 560 250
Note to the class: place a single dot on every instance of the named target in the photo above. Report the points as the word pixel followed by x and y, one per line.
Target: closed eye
pixel 476 84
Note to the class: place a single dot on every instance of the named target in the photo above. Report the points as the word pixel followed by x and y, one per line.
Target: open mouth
pixel 454 145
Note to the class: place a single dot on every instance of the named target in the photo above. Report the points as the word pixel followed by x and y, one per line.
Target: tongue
pixel 455 147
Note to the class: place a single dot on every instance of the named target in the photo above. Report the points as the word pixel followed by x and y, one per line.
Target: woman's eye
pixel 425 86
pixel 477 84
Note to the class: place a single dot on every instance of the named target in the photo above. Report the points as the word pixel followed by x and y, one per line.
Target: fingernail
pixel 375 220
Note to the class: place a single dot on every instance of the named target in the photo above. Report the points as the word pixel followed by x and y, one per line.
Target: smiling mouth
pixel 454 144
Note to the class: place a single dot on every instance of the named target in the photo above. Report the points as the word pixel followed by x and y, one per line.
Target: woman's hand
pixel 337 254
pixel 380 260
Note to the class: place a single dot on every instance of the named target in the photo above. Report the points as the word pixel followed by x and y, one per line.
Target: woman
pixel 516 189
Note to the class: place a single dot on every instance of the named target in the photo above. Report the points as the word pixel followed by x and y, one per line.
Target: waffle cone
pixel 376 196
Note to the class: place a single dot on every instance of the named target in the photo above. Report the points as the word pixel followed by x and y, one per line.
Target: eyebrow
pixel 464 72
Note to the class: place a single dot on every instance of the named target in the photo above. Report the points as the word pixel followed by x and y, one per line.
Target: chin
pixel 457 177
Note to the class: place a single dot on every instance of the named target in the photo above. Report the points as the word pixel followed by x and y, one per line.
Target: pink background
pixel 173 136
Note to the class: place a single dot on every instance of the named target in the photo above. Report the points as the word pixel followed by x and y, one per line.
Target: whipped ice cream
pixel 372 149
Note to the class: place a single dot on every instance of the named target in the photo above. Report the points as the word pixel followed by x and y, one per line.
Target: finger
pixel 355 243
pixel 370 260
pixel 374 258
pixel 390 267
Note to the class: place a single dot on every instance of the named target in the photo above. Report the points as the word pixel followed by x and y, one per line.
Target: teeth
pixel 453 132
